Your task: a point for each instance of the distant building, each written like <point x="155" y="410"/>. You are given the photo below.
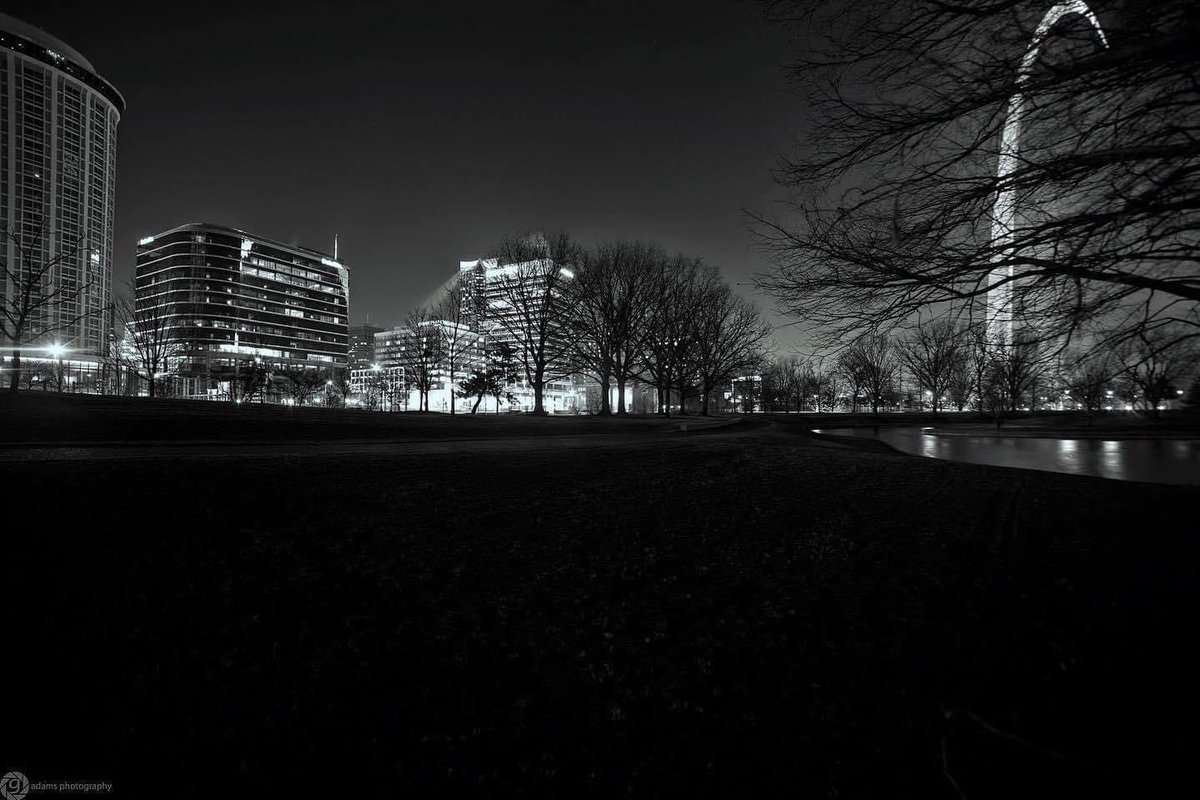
<point x="58" y="137"/>
<point x="362" y="346"/>
<point x="485" y="310"/>
<point x="234" y="297"/>
<point x="397" y="365"/>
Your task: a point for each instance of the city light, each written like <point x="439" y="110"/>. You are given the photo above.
<point x="56" y="350"/>
<point x="145" y="240"/>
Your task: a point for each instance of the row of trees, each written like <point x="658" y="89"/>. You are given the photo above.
<point x="956" y="366"/>
<point x="618" y="312"/>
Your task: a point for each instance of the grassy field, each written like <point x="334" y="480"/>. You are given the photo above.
<point x="746" y="611"/>
<point x="32" y="417"/>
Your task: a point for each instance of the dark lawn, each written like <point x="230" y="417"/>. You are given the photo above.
<point x="735" y="613"/>
<point x="29" y="417"/>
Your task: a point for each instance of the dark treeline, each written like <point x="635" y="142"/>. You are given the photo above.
<point x="940" y="365"/>
<point x="619" y="313"/>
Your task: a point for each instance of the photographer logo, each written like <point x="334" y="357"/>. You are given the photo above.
<point x="14" y="786"/>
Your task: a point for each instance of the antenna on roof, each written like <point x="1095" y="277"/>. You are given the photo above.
<point x="335" y="247"/>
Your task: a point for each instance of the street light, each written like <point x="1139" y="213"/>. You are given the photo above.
<point x="56" y="351"/>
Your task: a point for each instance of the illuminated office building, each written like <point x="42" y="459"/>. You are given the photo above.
<point x="487" y="311"/>
<point x="233" y="297"/>
<point x="58" y="137"/>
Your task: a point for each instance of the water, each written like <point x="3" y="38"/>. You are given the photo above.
<point x="1151" y="460"/>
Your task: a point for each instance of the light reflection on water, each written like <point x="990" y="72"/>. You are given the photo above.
<point x="1152" y="460"/>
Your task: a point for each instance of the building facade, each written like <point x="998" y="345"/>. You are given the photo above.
<point x="233" y="298"/>
<point x="439" y="356"/>
<point x="488" y="311"/>
<point x="58" y="138"/>
<point x="362" y="346"/>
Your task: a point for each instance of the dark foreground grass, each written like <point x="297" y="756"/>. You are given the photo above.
<point x="731" y="614"/>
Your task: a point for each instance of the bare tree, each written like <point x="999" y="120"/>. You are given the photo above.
<point x="244" y="380"/>
<point x="822" y="383"/>
<point x="1088" y="381"/>
<point x="148" y="349"/>
<point x="419" y="351"/>
<point x="340" y="388"/>
<point x="36" y="300"/>
<point x="730" y="338"/>
<point x="961" y="383"/>
<point x="301" y="383"/>
<point x="39" y="374"/>
<point x="931" y="352"/>
<point x="1192" y="399"/>
<point x="1017" y="368"/>
<point x="456" y="335"/>
<point x="994" y="398"/>
<point x="536" y="308"/>
<point x="779" y="375"/>
<point x="871" y="367"/>
<point x="1155" y="365"/>
<point x="376" y="384"/>
<point x="614" y="313"/>
<point x="679" y="290"/>
<point x="851" y="370"/>
<point x="1016" y="159"/>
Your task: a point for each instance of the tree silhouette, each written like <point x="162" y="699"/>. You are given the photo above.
<point x="966" y="148"/>
<point x="33" y="297"/>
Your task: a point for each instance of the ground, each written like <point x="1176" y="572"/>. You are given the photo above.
<point x="618" y="610"/>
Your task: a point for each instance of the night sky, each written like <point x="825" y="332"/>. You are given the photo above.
<point x="419" y="133"/>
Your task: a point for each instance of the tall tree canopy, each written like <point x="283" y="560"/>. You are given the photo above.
<point x="1042" y="151"/>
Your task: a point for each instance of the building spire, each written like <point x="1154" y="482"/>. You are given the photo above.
<point x="335" y="247"/>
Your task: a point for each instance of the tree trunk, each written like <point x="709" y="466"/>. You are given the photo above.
<point x="479" y="400"/>
<point x="539" y="387"/>
<point x="704" y="402"/>
<point x="15" y="381"/>
<point x="621" y="410"/>
<point x="682" y="400"/>
<point x="605" y="404"/>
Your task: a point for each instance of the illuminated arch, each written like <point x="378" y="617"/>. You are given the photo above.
<point x="999" y="298"/>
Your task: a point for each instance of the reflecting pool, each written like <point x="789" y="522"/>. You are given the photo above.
<point x="1152" y="460"/>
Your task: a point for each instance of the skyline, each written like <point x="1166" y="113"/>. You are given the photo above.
<point x="422" y="138"/>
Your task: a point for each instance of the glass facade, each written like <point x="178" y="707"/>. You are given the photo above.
<point x="231" y="296"/>
<point x="487" y="310"/>
<point x="58" y="135"/>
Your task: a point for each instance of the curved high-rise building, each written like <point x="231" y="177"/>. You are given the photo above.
<point x="224" y="297"/>
<point x="58" y="138"/>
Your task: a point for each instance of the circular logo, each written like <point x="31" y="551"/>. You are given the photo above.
<point x="14" y="786"/>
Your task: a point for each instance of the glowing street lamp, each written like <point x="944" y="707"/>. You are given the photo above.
<point x="56" y="352"/>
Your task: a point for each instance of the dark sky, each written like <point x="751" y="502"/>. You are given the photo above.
<point x="420" y="132"/>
